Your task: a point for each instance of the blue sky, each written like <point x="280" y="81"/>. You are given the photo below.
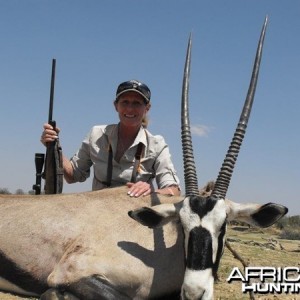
<point x="98" y="44"/>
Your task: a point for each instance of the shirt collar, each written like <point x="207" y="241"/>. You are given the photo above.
<point x="112" y="133"/>
<point x="141" y="137"/>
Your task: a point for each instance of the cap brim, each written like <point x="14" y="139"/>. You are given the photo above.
<point x="133" y="90"/>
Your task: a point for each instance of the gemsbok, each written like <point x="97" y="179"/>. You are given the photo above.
<point x="85" y="246"/>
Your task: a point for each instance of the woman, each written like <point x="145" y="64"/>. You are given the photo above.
<point x="124" y="153"/>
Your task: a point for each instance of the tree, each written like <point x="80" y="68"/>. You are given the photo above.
<point x="19" y="192"/>
<point x="4" y="191"/>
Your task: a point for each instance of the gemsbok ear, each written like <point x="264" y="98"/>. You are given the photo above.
<point x="255" y="214"/>
<point x="156" y="216"/>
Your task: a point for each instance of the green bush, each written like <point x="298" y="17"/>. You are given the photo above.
<point x="293" y="221"/>
<point x="290" y="234"/>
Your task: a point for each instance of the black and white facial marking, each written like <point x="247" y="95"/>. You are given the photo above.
<point x="204" y="223"/>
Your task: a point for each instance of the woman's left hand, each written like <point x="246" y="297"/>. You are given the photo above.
<point x="138" y="189"/>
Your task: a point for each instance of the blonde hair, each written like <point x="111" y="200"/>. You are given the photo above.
<point x="145" y="121"/>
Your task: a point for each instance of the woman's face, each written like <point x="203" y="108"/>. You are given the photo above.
<point x="131" y="108"/>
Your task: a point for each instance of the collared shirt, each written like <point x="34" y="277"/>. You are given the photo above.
<point x="94" y="151"/>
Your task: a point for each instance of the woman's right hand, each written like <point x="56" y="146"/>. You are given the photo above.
<point x="49" y="134"/>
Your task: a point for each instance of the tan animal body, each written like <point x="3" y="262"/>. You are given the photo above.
<point x="67" y="237"/>
<point x="57" y="240"/>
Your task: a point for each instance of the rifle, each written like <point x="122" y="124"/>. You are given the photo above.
<point x="53" y="171"/>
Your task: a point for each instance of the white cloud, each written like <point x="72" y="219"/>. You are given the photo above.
<point x="200" y="130"/>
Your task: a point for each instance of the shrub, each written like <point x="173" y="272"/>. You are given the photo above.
<point x="290" y="234"/>
<point x="293" y="221"/>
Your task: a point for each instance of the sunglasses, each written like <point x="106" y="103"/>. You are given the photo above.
<point x="135" y="85"/>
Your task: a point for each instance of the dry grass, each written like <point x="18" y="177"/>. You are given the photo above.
<point x="252" y="245"/>
<point x="256" y="254"/>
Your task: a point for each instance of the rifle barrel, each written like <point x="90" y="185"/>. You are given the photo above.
<point x="52" y="90"/>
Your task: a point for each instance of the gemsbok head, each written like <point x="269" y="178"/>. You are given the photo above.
<point x="204" y="218"/>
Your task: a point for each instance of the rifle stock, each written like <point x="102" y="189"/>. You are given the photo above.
<point x="53" y="171"/>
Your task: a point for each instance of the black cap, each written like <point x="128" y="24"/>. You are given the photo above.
<point x="134" y="86"/>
